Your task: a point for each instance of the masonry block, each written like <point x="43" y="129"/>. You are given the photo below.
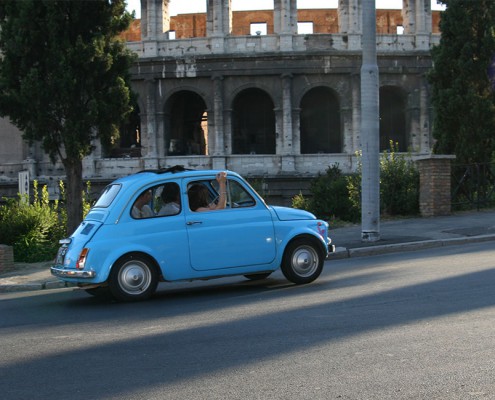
<point x="434" y="185"/>
<point x="6" y="258"/>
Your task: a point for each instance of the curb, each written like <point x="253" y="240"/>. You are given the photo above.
<point x="29" y="287"/>
<point x="342" y="252"/>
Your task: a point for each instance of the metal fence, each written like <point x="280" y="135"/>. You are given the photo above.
<point x="473" y="186"/>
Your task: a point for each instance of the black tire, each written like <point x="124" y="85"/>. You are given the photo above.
<point x="258" y="277"/>
<point x="133" y="278"/>
<point x="302" y="261"/>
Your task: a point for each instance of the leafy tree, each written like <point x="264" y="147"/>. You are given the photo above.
<point x="463" y="81"/>
<point x="64" y="79"/>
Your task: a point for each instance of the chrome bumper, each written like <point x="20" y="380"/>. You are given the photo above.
<point x="71" y="273"/>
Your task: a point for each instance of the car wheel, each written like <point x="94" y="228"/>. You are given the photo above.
<point x="133" y="278"/>
<point x="302" y="261"/>
<point x="258" y="277"/>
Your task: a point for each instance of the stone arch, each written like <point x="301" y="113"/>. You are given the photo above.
<point x="253" y="122"/>
<point x="320" y="125"/>
<point x="393" y="100"/>
<point x="186" y="124"/>
<point x="128" y="143"/>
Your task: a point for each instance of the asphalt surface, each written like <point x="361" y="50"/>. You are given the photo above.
<point x="396" y="235"/>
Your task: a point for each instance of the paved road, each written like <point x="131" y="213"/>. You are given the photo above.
<point x="417" y="325"/>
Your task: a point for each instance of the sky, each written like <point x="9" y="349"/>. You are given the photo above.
<point x="192" y="6"/>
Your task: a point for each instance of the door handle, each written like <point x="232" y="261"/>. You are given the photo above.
<point x="193" y="222"/>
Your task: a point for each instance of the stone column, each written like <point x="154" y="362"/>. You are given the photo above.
<point x="216" y="138"/>
<point x="353" y="143"/>
<point x="285" y="22"/>
<point x="416" y="15"/>
<point x="296" y="131"/>
<point x="149" y="126"/>
<point x="155" y="20"/>
<point x="350" y="22"/>
<point x="434" y="185"/>
<point x="227" y="129"/>
<point x="424" y="118"/>
<point x="218" y="23"/>
<point x="287" y="154"/>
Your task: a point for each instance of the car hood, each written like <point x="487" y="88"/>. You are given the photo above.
<point x="291" y="214"/>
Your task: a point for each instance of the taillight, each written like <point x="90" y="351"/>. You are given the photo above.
<point x="82" y="258"/>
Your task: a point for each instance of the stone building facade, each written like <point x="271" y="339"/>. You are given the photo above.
<point x="246" y="91"/>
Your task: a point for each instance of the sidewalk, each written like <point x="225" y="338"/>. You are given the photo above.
<point x="395" y="236"/>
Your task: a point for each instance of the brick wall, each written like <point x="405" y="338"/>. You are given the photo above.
<point x="6" y="258"/>
<point x="434" y="185"/>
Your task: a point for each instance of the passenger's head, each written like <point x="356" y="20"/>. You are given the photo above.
<point x="143" y="198"/>
<point x="170" y="192"/>
<point x="198" y="196"/>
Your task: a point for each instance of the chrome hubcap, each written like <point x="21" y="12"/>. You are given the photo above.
<point x="304" y="261"/>
<point x="134" y="277"/>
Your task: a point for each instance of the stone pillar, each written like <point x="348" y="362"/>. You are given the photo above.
<point x="355" y="140"/>
<point x="219" y="138"/>
<point x="227" y="129"/>
<point x="218" y="23"/>
<point x="287" y="139"/>
<point x="296" y="131"/>
<point x="285" y="22"/>
<point x="417" y="20"/>
<point x="350" y="22"/>
<point x="434" y="185"/>
<point x="288" y="162"/>
<point x="149" y="128"/>
<point x="6" y="258"/>
<point x="218" y="18"/>
<point x="155" y="18"/>
<point x="216" y="137"/>
<point x="424" y="119"/>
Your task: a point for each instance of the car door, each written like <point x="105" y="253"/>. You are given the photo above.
<point x="240" y="235"/>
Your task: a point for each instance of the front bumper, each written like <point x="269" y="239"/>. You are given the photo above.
<point x="71" y="273"/>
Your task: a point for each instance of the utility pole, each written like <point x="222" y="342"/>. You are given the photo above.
<point x="370" y="128"/>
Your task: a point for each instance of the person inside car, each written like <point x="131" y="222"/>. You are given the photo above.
<point x="198" y="195"/>
<point x="171" y="199"/>
<point x="141" y="208"/>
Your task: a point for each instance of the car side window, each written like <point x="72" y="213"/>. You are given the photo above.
<point x="237" y="195"/>
<point x="168" y="200"/>
<point x="158" y="201"/>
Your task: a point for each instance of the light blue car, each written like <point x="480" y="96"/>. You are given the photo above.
<point x="142" y="231"/>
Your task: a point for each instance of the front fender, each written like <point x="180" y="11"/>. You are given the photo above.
<point x="283" y="240"/>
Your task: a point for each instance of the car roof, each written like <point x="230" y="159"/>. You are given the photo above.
<point x="151" y="175"/>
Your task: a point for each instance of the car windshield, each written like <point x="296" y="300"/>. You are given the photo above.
<point x="107" y="196"/>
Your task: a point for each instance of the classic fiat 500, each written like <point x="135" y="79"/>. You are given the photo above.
<point x="142" y="231"/>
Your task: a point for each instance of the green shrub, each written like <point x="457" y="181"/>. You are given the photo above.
<point x="399" y="184"/>
<point x="32" y="229"/>
<point x="334" y="195"/>
<point x="329" y="197"/>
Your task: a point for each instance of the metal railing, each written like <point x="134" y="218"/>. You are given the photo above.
<point x="473" y="186"/>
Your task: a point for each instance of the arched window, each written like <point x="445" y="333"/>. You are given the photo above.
<point x="129" y="141"/>
<point x="186" y="125"/>
<point x="392" y="118"/>
<point x="320" y="122"/>
<point x="253" y="123"/>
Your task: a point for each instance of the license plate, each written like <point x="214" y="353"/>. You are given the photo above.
<point x="62" y="251"/>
